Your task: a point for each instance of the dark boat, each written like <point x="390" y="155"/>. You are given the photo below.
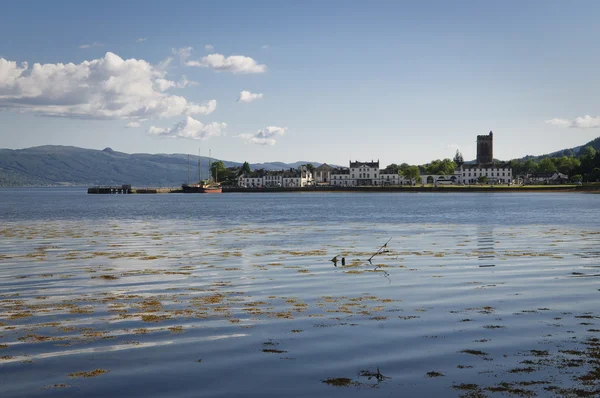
<point x="202" y="187"/>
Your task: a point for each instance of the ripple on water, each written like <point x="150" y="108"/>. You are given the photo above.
<point x="168" y="309"/>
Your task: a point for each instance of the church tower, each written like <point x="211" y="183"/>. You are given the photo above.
<point x="485" y="148"/>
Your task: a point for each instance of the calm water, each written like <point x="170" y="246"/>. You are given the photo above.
<point x="235" y="295"/>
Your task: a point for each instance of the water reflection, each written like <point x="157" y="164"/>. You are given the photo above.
<point x="486" y="251"/>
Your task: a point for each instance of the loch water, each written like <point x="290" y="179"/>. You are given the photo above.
<point x="189" y="295"/>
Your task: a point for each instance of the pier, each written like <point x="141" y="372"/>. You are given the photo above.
<point x="127" y="189"/>
<point x="123" y="189"/>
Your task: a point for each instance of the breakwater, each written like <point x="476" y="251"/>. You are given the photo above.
<point x="127" y="189"/>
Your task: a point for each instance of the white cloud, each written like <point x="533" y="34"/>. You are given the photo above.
<point x="163" y="84"/>
<point x="233" y="64"/>
<point x="183" y="53"/>
<point x="247" y="96"/>
<point x="105" y="88"/>
<point x="264" y="136"/>
<point x="141" y="39"/>
<point x="205" y="109"/>
<point x="164" y="64"/>
<point x="189" y="128"/>
<point x="209" y="47"/>
<point x="132" y="125"/>
<point x="94" y="44"/>
<point x="184" y="82"/>
<point x="265" y="47"/>
<point x="585" y="122"/>
<point x="559" y="122"/>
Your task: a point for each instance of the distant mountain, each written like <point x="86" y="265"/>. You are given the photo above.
<point x="53" y="165"/>
<point x="595" y="143"/>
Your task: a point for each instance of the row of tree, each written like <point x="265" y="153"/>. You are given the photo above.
<point x="585" y="166"/>
<point x="227" y="175"/>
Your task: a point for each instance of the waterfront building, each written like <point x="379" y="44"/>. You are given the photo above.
<point x="496" y="173"/>
<point x="485" y="166"/>
<point x="254" y="179"/>
<point x="391" y="176"/>
<point x="300" y="177"/>
<point x="341" y="177"/>
<point x="369" y="174"/>
<point x="364" y="173"/>
<point x="322" y="174"/>
<point x="546" y="178"/>
<point x="273" y="178"/>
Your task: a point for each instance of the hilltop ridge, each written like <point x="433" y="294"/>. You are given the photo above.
<point x="53" y="165"/>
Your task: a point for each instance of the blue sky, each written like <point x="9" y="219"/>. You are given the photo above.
<point x="389" y="80"/>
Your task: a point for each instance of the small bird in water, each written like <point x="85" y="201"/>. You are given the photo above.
<point x="334" y="261"/>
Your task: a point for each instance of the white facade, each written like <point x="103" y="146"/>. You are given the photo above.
<point x="341" y="177"/>
<point x="495" y="173"/>
<point x="364" y="173"/>
<point x="387" y="178"/>
<point x="273" y="179"/>
<point x="322" y="174"/>
<point x="293" y="178"/>
<point x="251" y="182"/>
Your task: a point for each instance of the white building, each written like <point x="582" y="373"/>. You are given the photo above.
<point x="300" y="177"/>
<point x="496" y="173"/>
<point x="322" y="174"/>
<point x="273" y="179"/>
<point x="391" y="177"/>
<point x="255" y="179"/>
<point x="364" y="173"/>
<point x="341" y="177"/>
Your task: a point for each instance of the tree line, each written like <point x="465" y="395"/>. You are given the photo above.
<point x="585" y="166"/>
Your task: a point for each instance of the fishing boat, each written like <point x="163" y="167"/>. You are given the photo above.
<point x="203" y="186"/>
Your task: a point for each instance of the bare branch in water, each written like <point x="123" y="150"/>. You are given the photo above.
<point x="380" y="249"/>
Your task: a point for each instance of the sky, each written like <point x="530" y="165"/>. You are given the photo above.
<point x="333" y="81"/>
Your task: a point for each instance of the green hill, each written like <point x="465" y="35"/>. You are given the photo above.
<point x="52" y="165"/>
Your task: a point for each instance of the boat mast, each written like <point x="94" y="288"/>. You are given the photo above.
<point x="188" y="169"/>
<point x="198" y="165"/>
<point x="210" y="165"/>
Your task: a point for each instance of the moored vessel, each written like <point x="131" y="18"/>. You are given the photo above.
<point x="203" y="186"/>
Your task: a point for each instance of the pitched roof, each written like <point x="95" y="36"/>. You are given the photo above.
<point x="368" y="164"/>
